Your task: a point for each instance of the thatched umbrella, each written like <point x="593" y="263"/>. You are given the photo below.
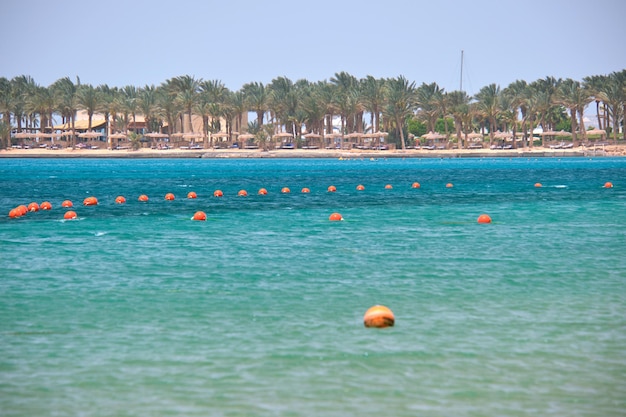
<point x="332" y="136"/>
<point x="282" y="135"/>
<point x="117" y="137"/>
<point x="433" y="136"/>
<point x="90" y="134"/>
<point x="600" y="132"/>
<point x="503" y="135"/>
<point x="309" y="136"/>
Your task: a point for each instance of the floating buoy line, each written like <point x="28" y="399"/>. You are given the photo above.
<point x="33" y="207"/>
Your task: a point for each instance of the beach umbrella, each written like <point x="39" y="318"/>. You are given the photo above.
<point x="246" y="136"/>
<point x="90" y="135"/>
<point x="221" y="135"/>
<point x="563" y="133"/>
<point x="312" y="136"/>
<point x="283" y="135"/>
<point x="192" y="135"/>
<point x="502" y="135"/>
<point x="24" y="135"/>
<point x="433" y="136"/>
<point x="474" y="136"/>
<point x="156" y="135"/>
<point x="596" y="132"/>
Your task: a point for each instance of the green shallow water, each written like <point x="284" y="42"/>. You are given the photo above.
<point x="136" y="310"/>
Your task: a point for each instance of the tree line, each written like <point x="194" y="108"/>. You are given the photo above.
<point x="394" y="105"/>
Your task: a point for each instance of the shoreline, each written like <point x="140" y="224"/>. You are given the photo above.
<point x="609" y="150"/>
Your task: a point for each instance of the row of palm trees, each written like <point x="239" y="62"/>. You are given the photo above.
<point x="284" y="105"/>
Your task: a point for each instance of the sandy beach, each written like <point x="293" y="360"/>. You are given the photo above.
<point x="607" y="150"/>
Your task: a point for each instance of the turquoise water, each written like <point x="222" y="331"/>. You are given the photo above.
<point x="135" y="310"/>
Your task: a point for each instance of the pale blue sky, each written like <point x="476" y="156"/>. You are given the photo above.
<point x="122" y="42"/>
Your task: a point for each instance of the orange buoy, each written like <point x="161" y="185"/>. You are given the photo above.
<point x="120" y="199"/>
<point x="360" y="187"/>
<point x="416" y="185"/>
<point x="45" y="206"/>
<point x="169" y="196"/>
<point x="378" y="316"/>
<point x="218" y="193"/>
<point x="14" y="213"/>
<point x="262" y="191"/>
<point x="70" y="215"/>
<point x="335" y="217"/>
<point x="90" y="201"/>
<point x="22" y="209"/>
<point x="305" y="190"/>
<point x="449" y="185"/>
<point x="33" y="207"/>
<point x="143" y="197"/>
<point x="484" y="218"/>
<point x="285" y="190"/>
<point x="388" y="187"/>
<point x="192" y="194"/>
<point x="608" y="185"/>
<point x="332" y="188"/>
<point x="242" y="193"/>
<point x="199" y="215"/>
<point x="538" y="185"/>
<point x="66" y="203"/>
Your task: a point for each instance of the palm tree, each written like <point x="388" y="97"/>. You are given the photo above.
<point x="187" y="89"/>
<point x="257" y="98"/>
<point x="21" y="87"/>
<point x="64" y="91"/>
<point x="596" y="84"/>
<point x="326" y="94"/>
<point x="5" y="132"/>
<point x="41" y="102"/>
<point x="129" y="105"/>
<point x="215" y="94"/>
<point x="488" y="98"/>
<point x="613" y="94"/>
<point x="401" y="100"/>
<point x="5" y="111"/>
<point x="282" y="103"/>
<point x="373" y="99"/>
<point x="240" y="108"/>
<point x="148" y="106"/>
<point x="88" y="99"/>
<point x="169" y="107"/>
<point x="314" y="109"/>
<point x="347" y="99"/>
<point x="574" y="97"/>
<point x="515" y="93"/>
<point x="109" y="107"/>
<point x="458" y="105"/>
<point x="428" y="100"/>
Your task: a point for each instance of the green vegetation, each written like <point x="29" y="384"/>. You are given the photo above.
<point x="368" y="105"/>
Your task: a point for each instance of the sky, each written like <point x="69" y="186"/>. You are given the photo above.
<point x="145" y="42"/>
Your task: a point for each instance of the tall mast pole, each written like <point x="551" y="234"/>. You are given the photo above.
<point x="461" y="70"/>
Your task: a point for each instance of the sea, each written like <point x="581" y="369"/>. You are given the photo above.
<point x="137" y="310"/>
